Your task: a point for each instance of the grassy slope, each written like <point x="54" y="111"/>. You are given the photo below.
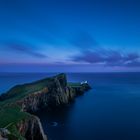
<point x="10" y="114"/>
<point x="9" y="117"/>
<point x="20" y="91"/>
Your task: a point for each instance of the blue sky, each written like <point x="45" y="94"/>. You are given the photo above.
<point x="69" y="35"/>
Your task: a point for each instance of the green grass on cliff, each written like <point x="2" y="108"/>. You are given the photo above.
<point x="74" y="84"/>
<point x="11" y="114"/>
<point x="9" y="117"/>
<point x="20" y="91"/>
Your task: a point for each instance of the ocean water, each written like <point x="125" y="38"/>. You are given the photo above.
<point x="109" y="111"/>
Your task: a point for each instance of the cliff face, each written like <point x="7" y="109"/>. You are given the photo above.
<point x="31" y="129"/>
<point x="55" y="92"/>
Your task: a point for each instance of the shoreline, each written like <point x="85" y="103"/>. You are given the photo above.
<point x="45" y="93"/>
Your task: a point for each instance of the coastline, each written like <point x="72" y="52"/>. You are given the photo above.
<point x="49" y="92"/>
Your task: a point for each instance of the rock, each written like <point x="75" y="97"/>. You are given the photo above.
<point x="31" y="129"/>
<point x="4" y="134"/>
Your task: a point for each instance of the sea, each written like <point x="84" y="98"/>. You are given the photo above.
<point x="109" y="111"/>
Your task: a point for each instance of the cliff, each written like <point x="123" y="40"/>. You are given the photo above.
<point x="31" y="129"/>
<point x="22" y="100"/>
<point x="56" y="92"/>
<point x="26" y="129"/>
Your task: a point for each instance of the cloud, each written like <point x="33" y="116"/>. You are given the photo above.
<point x="24" y="49"/>
<point x="108" y="58"/>
<point x="88" y="56"/>
<point x="133" y="64"/>
<point x="84" y="40"/>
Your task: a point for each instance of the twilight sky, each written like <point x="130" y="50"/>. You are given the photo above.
<point x="69" y="35"/>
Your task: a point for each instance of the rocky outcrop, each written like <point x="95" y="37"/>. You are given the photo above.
<point x="56" y="92"/>
<point x="31" y="129"/>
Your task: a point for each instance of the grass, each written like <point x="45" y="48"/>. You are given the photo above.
<point x="14" y="133"/>
<point x="74" y="84"/>
<point x="11" y="115"/>
<point x="20" y="91"/>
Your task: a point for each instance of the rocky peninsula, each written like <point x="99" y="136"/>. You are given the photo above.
<point x="17" y="106"/>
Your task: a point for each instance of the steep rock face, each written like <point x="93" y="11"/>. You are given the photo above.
<point x="55" y="92"/>
<point x="31" y="129"/>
